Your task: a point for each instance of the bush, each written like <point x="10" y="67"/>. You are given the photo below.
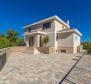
<point x="85" y="46"/>
<point x="4" y="42"/>
<point x="89" y="48"/>
<point x="20" y="42"/>
<point x="45" y="40"/>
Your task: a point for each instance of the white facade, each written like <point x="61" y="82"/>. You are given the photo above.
<point x="60" y="34"/>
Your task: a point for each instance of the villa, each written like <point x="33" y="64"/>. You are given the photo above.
<point x="62" y="38"/>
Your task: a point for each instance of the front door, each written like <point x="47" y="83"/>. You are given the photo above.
<point x="31" y="41"/>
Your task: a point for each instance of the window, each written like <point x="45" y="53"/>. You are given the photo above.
<point x="63" y="51"/>
<point x="29" y="29"/>
<point x="46" y="25"/>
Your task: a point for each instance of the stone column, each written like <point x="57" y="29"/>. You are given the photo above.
<point x="26" y="39"/>
<point x="36" y="41"/>
<point x="27" y="44"/>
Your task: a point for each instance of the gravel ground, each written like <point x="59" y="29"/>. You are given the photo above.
<point x="24" y="68"/>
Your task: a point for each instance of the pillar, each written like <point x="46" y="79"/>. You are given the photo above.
<point x="37" y="41"/>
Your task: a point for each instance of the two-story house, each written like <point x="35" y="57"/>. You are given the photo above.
<point x="62" y="37"/>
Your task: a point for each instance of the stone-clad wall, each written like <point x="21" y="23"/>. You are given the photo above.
<point x="46" y="50"/>
<point x="68" y="49"/>
<point x="43" y="50"/>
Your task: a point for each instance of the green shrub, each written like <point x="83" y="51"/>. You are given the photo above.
<point x="45" y="40"/>
<point x="4" y="42"/>
<point x="89" y="48"/>
<point x="85" y="46"/>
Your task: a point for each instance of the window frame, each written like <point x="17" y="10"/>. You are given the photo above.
<point x="46" y="25"/>
<point x="29" y="29"/>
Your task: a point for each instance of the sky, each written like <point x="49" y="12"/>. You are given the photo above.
<point x="16" y="14"/>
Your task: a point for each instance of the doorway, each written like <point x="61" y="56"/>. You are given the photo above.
<point x="31" y="41"/>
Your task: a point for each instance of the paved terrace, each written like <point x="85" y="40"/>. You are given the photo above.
<point x="24" y="68"/>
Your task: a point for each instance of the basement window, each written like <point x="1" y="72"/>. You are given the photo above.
<point x="63" y="51"/>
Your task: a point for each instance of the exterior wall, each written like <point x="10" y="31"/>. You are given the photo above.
<point x="59" y="26"/>
<point x="52" y="35"/>
<point x="70" y="43"/>
<point x="76" y="42"/>
<point x="67" y="42"/>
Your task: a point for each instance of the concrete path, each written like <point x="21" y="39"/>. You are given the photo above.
<point x="81" y="73"/>
<point x="24" y="68"/>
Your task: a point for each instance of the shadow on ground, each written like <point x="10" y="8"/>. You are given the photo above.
<point x="2" y="60"/>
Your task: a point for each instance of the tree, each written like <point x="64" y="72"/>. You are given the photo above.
<point x="4" y="42"/>
<point x="12" y="36"/>
<point x="45" y="40"/>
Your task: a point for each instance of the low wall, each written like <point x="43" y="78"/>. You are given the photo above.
<point x="45" y="50"/>
<point x="21" y="49"/>
<point x="3" y="57"/>
<point x="31" y="50"/>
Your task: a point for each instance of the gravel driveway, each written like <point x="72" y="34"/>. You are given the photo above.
<point x="24" y="68"/>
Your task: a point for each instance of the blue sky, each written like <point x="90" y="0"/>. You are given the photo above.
<point x="18" y="13"/>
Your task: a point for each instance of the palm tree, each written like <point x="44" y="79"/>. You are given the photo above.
<point x="12" y="36"/>
<point x="45" y="40"/>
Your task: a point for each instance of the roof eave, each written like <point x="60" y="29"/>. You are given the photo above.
<point x="78" y="32"/>
<point x="50" y="18"/>
<point x="72" y="30"/>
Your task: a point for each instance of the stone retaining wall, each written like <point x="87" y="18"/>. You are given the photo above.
<point x="20" y="49"/>
<point x="3" y="57"/>
<point x="32" y="50"/>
